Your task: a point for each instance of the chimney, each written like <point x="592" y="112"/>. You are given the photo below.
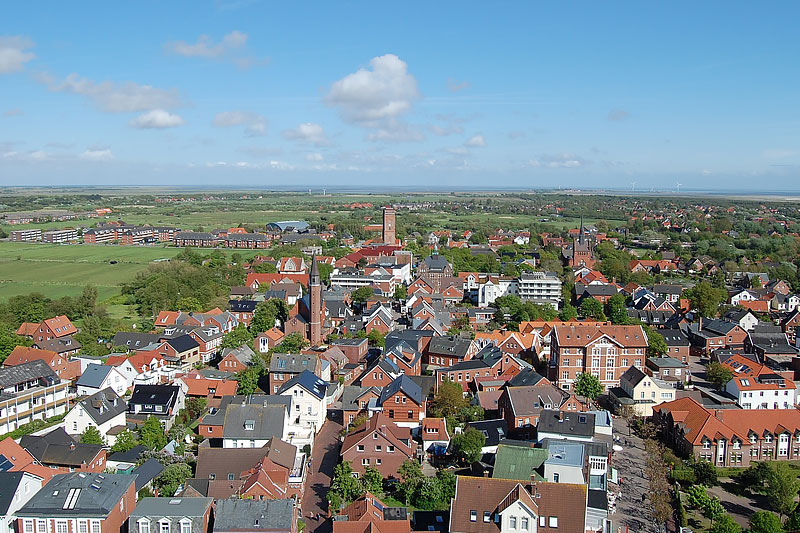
<point x="718" y="413"/>
<point x="71" y="445"/>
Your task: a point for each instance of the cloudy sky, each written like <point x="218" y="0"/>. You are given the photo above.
<point x="438" y="94"/>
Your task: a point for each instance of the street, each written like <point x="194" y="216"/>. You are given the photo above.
<point x="631" y="512"/>
<point x="325" y="456"/>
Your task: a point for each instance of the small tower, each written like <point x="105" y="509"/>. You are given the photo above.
<point x="389" y="233"/>
<point x="315" y="304"/>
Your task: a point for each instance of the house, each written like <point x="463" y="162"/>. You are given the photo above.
<point x="243" y="310"/>
<point x="135" y="341"/>
<point x="756" y="386"/>
<point x="379" y="443"/>
<point x="307" y="391"/>
<point x="490" y="362"/>
<point x="162" y="515"/>
<point x="181" y="352"/>
<point x="678" y="344"/>
<point x="486" y="505"/>
<point x="30" y="391"/>
<point x="209" y="339"/>
<point x="790" y="325"/>
<point x="251" y="516"/>
<point x="449" y="350"/>
<point x="237" y="359"/>
<point x="125" y="461"/>
<point x="58" y="363"/>
<point x="141" y="368"/>
<point x="769" y="342"/>
<point x="521" y="406"/>
<point x="745" y="318"/>
<point x="354" y="349"/>
<point x="555" y="424"/>
<point x="403" y="355"/>
<point x="291" y="265"/>
<point x="93" y="502"/>
<point x="51" y="328"/>
<point x="18" y="489"/>
<point x="266" y="340"/>
<point x="669" y="369"/>
<point x="212" y="390"/>
<point x="367" y="513"/>
<point x="435" y="437"/>
<point x="565" y="462"/>
<point x="98" y="377"/>
<point x="56" y="449"/>
<point x="710" y="335"/>
<point x="146" y="472"/>
<point x="283" y="367"/>
<point x="669" y="292"/>
<point x="162" y="401"/>
<point x="402" y="401"/>
<point x="250" y="422"/>
<point x="63" y="346"/>
<point x="494" y="430"/>
<point x="103" y="410"/>
<point x="641" y="391"/>
<point x="605" y="351"/>
<point x="729" y="437"/>
<point x="18" y="459"/>
<point x="355" y="399"/>
<point x="519" y="462"/>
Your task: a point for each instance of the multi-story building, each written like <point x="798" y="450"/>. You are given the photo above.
<point x="379" y="443"/>
<point x="162" y="515"/>
<point x="59" y="236"/>
<point x="605" y="351"/>
<point x="21" y="235"/>
<point x="30" y="391"/>
<point x="80" y="502"/>
<point x="540" y="287"/>
<point x="195" y="238"/>
<point x="20" y="487"/>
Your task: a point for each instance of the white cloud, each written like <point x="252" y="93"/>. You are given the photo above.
<point x="778" y="153"/>
<point x="454" y="85"/>
<point x="475" y="141"/>
<point x="375" y="98"/>
<point x="458" y="150"/>
<point x="314" y="157"/>
<point x="558" y="161"/>
<point x="157" y="119"/>
<point x="617" y="115"/>
<point x="256" y="124"/>
<point x="276" y="165"/>
<point x="13" y="55"/>
<point x="117" y="98"/>
<point x="308" y="132"/>
<point x="97" y="155"/>
<point x="205" y="47"/>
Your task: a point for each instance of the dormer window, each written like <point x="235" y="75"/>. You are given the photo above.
<point x="249" y="425"/>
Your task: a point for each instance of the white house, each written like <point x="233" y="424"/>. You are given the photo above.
<point x="642" y="392"/>
<point x="98" y="377"/>
<point x="141" y="368"/>
<point x="767" y="391"/>
<point x="19" y="488"/>
<point x="104" y="410"/>
<point x="307" y="391"/>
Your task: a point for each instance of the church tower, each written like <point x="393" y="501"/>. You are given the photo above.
<point x="389" y="233"/>
<point x="315" y="304"/>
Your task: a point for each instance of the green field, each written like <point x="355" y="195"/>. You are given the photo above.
<point x="63" y="270"/>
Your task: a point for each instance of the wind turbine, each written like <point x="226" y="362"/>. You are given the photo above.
<point x="633" y="185"/>
<point x="678" y="186"/>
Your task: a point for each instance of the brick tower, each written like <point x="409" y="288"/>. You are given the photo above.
<point x="389" y="215"/>
<point x="315" y="304"/>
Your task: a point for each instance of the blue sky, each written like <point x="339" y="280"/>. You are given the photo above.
<point x="439" y="94"/>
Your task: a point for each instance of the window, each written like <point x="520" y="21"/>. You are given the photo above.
<point x="542" y="521"/>
<point x="565" y="374"/>
<point x="144" y="526"/>
<point x="95" y="526"/>
<point x="487" y="516"/>
<point x="378" y="448"/>
<point x="230" y="476"/>
<point x="523" y="525"/>
<point x="83" y="527"/>
<point x="41" y="526"/>
<point x="27" y="526"/>
<point x="410" y="415"/>
<point x="365" y="461"/>
<point x="473" y="516"/>
<point x="390" y="449"/>
<point x="164" y="526"/>
<point x="553" y="522"/>
<point x="512" y="522"/>
<point x="186" y="526"/>
<point x="360" y="448"/>
<point x="555" y="477"/>
<point x="706" y="445"/>
<point x="378" y="461"/>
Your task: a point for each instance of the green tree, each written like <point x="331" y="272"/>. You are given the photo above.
<point x="713" y="509"/>
<point x="718" y="374"/>
<point x="126" y="440"/>
<point x="237" y="336"/>
<point x="467" y="445"/>
<point x="10" y="340"/>
<point x="765" y="522"/>
<point x="171" y="478"/>
<point x="706" y="298"/>
<point x="362" y="294"/>
<point x="265" y="268"/>
<point x="87" y="301"/>
<point x="568" y="313"/>
<point x="152" y="435"/>
<point x="449" y="400"/>
<point x="704" y="473"/>
<point x="782" y="488"/>
<point x="725" y="524"/>
<point x="291" y="343"/>
<point x="411" y="477"/>
<point x="617" y="310"/>
<point x="325" y="271"/>
<point x="264" y="316"/>
<point x="792" y="521"/>
<point x="247" y="380"/>
<point x="189" y="303"/>
<point x="91" y="435"/>
<point x="372" y="480"/>
<point x="656" y="345"/>
<point x="343" y="484"/>
<point x="588" y="385"/>
<point x="591" y="308"/>
<point x="376" y="338"/>
<point x="400" y="292"/>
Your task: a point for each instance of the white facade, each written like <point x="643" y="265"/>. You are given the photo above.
<point x="77" y="420"/>
<point x="750" y="394"/>
<point x="488" y="292"/>
<point x="514" y="518"/>
<point x="542" y="287"/>
<point x="35" y="403"/>
<point x="308" y="411"/>
<point x="28" y="486"/>
<point x="114" y="379"/>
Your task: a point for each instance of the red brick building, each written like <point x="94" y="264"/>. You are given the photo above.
<point x="379" y="443"/>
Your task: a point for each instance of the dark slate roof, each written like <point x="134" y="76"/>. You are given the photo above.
<point x="147" y="472"/>
<point x="130" y="456"/>
<point x="154" y="394"/>
<point x="58" y="448"/>
<point x="30" y="371"/>
<point x="451" y="346"/>
<point x="292" y="363"/>
<point x="242" y="306"/>
<point x="737" y="314"/>
<point x="402" y="383"/>
<point x="494" y="430"/>
<point x="134" y="341"/>
<point x="267" y="421"/>
<point x="674" y="337"/>
<point x="426" y="384"/>
<point x="526" y="378"/>
<point x="103" y="405"/>
<point x="351" y="394"/>
<point x="350" y="342"/>
<point x="94" y="375"/>
<point x="436" y="263"/>
<point x="309" y="381"/>
<point x="576" y="424"/>
<point x="252" y="515"/>
<point x="600" y="290"/>
<point x="95" y="495"/>
<point x="183" y="343"/>
<point x="173" y="507"/>
<point x="665" y="288"/>
<point x="665" y="362"/>
<point x="720" y="327"/>
<point x="9" y="481"/>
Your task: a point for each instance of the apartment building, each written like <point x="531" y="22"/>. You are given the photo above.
<point x="540" y="287"/>
<point x="23" y="235"/>
<point x="30" y="391"/>
<point x="60" y="236"/>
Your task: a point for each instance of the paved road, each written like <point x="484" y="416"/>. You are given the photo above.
<point x="631" y="511"/>
<point x="325" y="456"/>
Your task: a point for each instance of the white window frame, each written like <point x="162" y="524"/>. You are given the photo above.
<point x="144" y="525"/>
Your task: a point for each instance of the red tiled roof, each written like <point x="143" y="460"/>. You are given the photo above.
<point x="23" y="354"/>
<point x="61" y="326"/>
<point x="27" y="329"/>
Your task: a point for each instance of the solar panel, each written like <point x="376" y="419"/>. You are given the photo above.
<point x="5" y="464"/>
